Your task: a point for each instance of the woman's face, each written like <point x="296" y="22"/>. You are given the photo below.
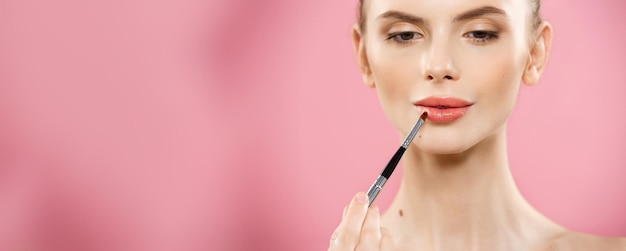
<point x="460" y="60"/>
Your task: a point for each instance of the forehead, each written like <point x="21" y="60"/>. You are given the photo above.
<point x="445" y="10"/>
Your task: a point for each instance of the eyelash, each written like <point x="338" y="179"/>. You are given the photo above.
<point x="488" y="36"/>
<point x="397" y="37"/>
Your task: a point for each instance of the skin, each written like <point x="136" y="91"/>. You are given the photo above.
<point x="457" y="192"/>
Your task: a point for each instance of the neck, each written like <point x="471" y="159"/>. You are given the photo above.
<point x="465" y="201"/>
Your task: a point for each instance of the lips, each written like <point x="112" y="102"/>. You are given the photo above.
<point x="444" y="109"/>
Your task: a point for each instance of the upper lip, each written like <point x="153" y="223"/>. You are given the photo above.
<point x="442" y="102"/>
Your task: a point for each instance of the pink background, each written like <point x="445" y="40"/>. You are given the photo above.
<point x="244" y="125"/>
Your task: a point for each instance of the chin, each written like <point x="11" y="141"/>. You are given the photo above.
<point x="450" y="142"/>
<point x="439" y="146"/>
<point x="443" y="150"/>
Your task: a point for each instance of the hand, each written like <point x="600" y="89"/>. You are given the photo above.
<point x="360" y="228"/>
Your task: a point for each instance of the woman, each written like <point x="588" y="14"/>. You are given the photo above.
<point x="462" y="62"/>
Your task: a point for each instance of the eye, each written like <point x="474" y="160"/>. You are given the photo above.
<point x="404" y="37"/>
<point x="481" y="36"/>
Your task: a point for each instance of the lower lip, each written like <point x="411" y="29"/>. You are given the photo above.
<point x="439" y="115"/>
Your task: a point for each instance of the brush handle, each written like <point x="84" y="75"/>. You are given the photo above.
<point x="375" y="188"/>
<point x="382" y="178"/>
<point x="393" y="162"/>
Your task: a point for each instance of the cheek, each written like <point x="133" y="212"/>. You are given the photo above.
<point x="498" y="79"/>
<point x="392" y="68"/>
<point x="395" y="73"/>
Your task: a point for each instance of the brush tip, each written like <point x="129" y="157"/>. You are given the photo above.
<point x="424" y="115"/>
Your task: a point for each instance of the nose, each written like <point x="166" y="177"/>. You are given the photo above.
<point x="439" y="62"/>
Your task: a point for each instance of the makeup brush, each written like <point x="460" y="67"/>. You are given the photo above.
<point x="384" y="176"/>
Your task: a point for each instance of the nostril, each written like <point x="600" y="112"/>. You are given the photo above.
<point x="432" y="77"/>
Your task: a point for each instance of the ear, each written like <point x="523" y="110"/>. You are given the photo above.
<point x="361" y="56"/>
<point x="539" y="51"/>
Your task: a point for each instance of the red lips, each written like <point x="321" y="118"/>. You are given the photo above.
<point x="444" y="109"/>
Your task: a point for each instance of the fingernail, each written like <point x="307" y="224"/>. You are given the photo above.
<point x="361" y="198"/>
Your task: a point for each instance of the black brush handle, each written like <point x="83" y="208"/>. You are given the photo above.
<point x="393" y="163"/>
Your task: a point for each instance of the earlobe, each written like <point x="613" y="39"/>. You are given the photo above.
<point x="361" y="56"/>
<point x="538" y="57"/>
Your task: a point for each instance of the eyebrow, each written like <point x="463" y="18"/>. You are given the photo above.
<point x="478" y="12"/>
<point x="394" y="14"/>
<point x="474" y="13"/>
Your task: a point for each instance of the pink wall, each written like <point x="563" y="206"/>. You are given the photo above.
<point x="224" y="124"/>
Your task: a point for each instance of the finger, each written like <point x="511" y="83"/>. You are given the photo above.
<point x="355" y="216"/>
<point x="347" y="235"/>
<point x="333" y="239"/>
<point x="370" y="232"/>
<point x="387" y="242"/>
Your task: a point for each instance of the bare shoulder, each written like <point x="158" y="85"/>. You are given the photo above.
<point x="572" y="241"/>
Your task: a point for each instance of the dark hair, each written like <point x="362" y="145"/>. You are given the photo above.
<point x="535" y="5"/>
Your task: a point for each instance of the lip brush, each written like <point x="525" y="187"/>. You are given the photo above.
<point x="384" y="176"/>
